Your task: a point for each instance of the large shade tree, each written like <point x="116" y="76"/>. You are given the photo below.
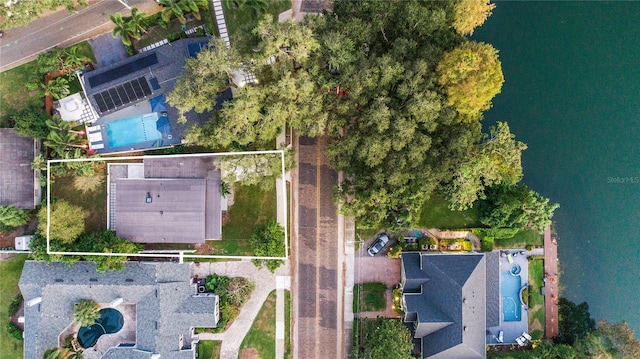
<point x="67" y="221"/>
<point x="383" y="338"/>
<point x="469" y="14"/>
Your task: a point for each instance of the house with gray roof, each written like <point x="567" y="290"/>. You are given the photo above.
<point x="166" y="199"/>
<point x="127" y="99"/>
<point x="160" y="304"/>
<point x="449" y="301"/>
<point x="19" y="184"/>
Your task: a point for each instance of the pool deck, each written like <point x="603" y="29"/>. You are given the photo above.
<point x="551" y="294"/>
<point x="125" y="335"/>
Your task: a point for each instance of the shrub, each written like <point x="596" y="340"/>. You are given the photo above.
<point x="86" y="312"/>
<point x="14" y="305"/>
<point x="394" y="252"/>
<point x="14" y="331"/>
<point x="239" y="290"/>
<point x="487" y="244"/>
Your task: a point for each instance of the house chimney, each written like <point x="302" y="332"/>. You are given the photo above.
<point x="34" y="301"/>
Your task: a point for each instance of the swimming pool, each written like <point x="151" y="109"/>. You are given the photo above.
<point x="133" y="130"/>
<point x="110" y="321"/>
<point x="510" y="290"/>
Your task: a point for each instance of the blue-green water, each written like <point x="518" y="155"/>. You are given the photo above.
<point x="572" y="93"/>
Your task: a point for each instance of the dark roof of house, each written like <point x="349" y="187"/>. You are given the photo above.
<point x="446" y="301"/>
<point x="142" y="77"/>
<point x="316" y="6"/>
<point x="19" y="186"/>
<point x="160" y="210"/>
<point x="166" y="304"/>
<point x="493" y="288"/>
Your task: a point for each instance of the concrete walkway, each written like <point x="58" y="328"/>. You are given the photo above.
<point x="551" y="293"/>
<point x="265" y="283"/>
<point x="222" y="24"/>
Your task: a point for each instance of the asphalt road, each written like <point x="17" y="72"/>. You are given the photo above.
<point x="317" y="323"/>
<point x="62" y="29"/>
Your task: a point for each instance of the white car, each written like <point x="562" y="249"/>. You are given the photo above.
<point x="378" y="244"/>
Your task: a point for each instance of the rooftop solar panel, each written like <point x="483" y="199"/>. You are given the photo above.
<point x="123" y="94"/>
<point x="123" y="70"/>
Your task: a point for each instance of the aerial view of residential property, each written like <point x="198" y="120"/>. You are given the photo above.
<point x="326" y="179"/>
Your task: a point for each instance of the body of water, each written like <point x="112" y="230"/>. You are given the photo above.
<point x="572" y="94"/>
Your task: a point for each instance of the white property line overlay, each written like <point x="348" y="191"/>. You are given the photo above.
<point x="177" y="253"/>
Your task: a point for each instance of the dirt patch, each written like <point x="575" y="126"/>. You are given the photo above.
<point x="8" y="238"/>
<point x="225" y="217"/>
<point x="204" y="248"/>
<point x="249" y="353"/>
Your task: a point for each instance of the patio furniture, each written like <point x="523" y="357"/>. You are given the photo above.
<point x="95" y="137"/>
<point x="500" y="337"/>
<point x="526" y="336"/>
<point x="91" y="129"/>
<point x="97" y="146"/>
<point x="520" y="341"/>
<point x="510" y="258"/>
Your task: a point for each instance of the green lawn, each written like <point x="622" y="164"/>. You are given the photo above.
<point x="369" y="297"/>
<point x="209" y="349"/>
<point x="240" y="22"/>
<point x="521" y="239"/>
<point x="230" y="247"/>
<point x="11" y="270"/>
<point x="536" y="299"/>
<point x="252" y="206"/>
<point x="287" y="324"/>
<point x="435" y="213"/>
<point x="13" y="93"/>
<point x="94" y="202"/>
<point x="262" y="335"/>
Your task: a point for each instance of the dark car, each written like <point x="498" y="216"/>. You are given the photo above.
<point x="378" y="244"/>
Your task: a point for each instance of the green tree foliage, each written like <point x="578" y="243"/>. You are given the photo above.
<point x="67" y="221"/>
<point x="19" y="13"/>
<point x="58" y="88"/>
<point x="62" y="138"/>
<point x="126" y="29"/>
<point x="383" y="338"/>
<point x="30" y="121"/>
<point x="618" y="339"/>
<point x="254" y="169"/>
<point x="14" y="331"/>
<point x="204" y="78"/>
<point x="12" y="217"/>
<point x="497" y="159"/>
<point x="57" y="353"/>
<point x="574" y="322"/>
<point x="469" y="14"/>
<point x="105" y="242"/>
<point x="471" y="74"/>
<point x="86" y="312"/>
<point x="268" y="241"/>
<point x="515" y="206"/>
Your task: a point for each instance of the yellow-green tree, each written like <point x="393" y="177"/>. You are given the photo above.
<point x="469" y="14"/>
<point x="471" y="75"/>
<point x="67" y="221"/>
<point x="86" y="312"/>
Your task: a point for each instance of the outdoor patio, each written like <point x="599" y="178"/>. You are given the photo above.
<point x="126" y="335"/>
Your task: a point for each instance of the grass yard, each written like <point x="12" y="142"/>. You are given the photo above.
<point x="11" y="269"/>
<point x="13" y="93"/>
<point x="94" y="202"/>
<point x="369" y="297"/>
<point x="536" y="299"/>
<point x="435" y="213"/>
<point x="262" y="335"/>
<point x="521" y="239"/>
<point x="252" y="206"/>
<point x="287" y="324"/>
<point x="209" y="349"/>
<point x="240" y="22"/>
<point x="239" y="247"/>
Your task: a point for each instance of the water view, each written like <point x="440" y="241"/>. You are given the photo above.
<point x="572" y="93"/>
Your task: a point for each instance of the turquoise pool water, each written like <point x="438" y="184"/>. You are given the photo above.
<point x="510" y="290"/>
<point x="110" y="321"/>
<point x="133" y="130"/>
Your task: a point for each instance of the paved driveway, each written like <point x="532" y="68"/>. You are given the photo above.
<point x="107" y="49"/>
<point x="377" y="269"/>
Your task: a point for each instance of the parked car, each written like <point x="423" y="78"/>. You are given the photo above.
<point x="378" y="244"/>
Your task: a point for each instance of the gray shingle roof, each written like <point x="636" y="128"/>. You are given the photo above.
<point x="18" y="184"/>
<point x="449" y="306"/>
<point x="493" y="288"/>
<point x="166" y="304"/>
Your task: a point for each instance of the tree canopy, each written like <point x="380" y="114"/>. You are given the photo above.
<point x="268" y="241"/>
<point x="19" y="13"/>
<point x="515" y="206"/>
<point x="574" y="322"/>
<point x="67" y="221"/>
<point x="471" y="75"/>
<point x="382" y="338"/>
<point x="11" y="217"/>
<point x="469" y="14"/>
<point x="86" y="312"/>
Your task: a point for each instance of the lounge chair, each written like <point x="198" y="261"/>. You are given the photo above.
<point x="97" y="146"/>
<point x="526" y="336"/>
<point x="95" y="137"/>
<point x="500" y="337"/>
<point x="95" y="128"/>
<point x="520" y="341"/>
<point x="510" y="258"/>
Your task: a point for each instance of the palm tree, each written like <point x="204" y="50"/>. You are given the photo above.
<point x="12" y="217"/>
<point x="136" y="22"/>
<point x="61" y="138"/>
<point x="73" y="58"/>
<point x="123" y="28"/>
<point x="194" y="6"/>
<point x="58" y="88"/>
<point x="57" y="353"/>
<point x="173" y="8"/>
<point x="86" y="312"/>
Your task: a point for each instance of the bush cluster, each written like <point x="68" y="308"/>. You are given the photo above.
<point x="14" y="331"/>
<point x="14" y="305"/>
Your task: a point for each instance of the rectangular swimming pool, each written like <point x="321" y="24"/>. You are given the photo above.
<point x="133" y="130"/>
<point x="510" y="286"/>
